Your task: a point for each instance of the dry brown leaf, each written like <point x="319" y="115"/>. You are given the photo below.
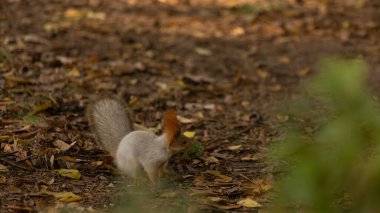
<point x="234" y="147"/>
<point x="185" y="120"/>
<point x="3" y="168"/>
<point x="203" y="51"/>
<point x="303" y="72"/>
<point x="284" y="60"/>
<point x="282" y="118"/>
<point x="63" y="196"/>
<point x="61" y="145"/>
<point x="262" y="73"/>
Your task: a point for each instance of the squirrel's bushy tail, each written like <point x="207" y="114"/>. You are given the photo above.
<point x="111" y="121"/>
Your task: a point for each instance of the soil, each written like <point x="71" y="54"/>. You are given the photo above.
<point x="223" y="65"/>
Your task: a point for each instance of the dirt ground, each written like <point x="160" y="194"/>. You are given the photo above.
<point x="223" y="65"/>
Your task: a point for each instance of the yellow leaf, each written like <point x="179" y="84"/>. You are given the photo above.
<point x="42" y="107"/>
<point x="237" y="31"/>
<point x="189" y="134"/>
<point x="215" y="199"/>
<point x="218" y="174"/>
<point x="282" y="118"/>
<point x="74" y="72"/>
<point x="71" y="173"/>
<point x="249" y="203"/>
<point x="96" y="15"/>
<point x="2" y="179"/>
<point x="73" y="13"/>
<point x="26" y="127"/>
<point x="63" y="196"/>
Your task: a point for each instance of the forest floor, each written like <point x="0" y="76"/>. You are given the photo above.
<point x="223" y="65"/>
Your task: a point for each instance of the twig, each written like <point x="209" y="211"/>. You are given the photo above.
<point x="15" y="164"/>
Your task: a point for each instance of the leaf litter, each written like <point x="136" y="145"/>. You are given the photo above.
<point x="217" y="65"/>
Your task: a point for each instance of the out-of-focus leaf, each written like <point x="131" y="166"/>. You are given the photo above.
<point x="71" y="173"/>
<point x="3" y="168"/>
<point x="2" y="179"/>
<point x="63" y="196"/>
<point x="189" y="134"/>
<point x="218" y="174"/>
<point x="234" y="147"/>
<point x="203" y="51"/>
<point x="62" y="145"/>
<point x="249" y="203"/>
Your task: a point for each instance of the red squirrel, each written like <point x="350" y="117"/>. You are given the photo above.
<point x="135" y="150"/>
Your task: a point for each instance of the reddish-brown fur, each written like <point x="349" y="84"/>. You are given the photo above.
<point x="171" y="124"/>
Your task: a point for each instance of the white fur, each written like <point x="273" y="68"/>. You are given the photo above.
<point x="142" y="150"/>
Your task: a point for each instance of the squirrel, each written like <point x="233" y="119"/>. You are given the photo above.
<point x="134" y="150"/>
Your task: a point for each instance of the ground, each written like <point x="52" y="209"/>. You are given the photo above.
<point x="225" y="66"/>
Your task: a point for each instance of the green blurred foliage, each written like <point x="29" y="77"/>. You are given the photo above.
<point x="166" y="196"/>
<point x="196" y="150"/>
<point x="331" y="146"/>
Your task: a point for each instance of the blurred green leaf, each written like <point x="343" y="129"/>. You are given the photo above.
<point x="340" y="159"/>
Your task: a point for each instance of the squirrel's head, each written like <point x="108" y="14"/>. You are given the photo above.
<point x="177" y="142"/>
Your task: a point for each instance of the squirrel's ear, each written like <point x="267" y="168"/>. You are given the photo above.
<point x="170" y="124"/>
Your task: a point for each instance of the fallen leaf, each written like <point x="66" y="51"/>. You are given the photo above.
<point x="215" y="199"/>
<point x="42" y="107"/>
<point x="303" y="72"/>
<point x="274" y="87"/>
<point x="218" y="174"/>
<point x="74" y="72"/>
<point x="189" y="134"/>
<point x="284" y="60"/>
<point x="3" y="168"/>
<point x="71" y="173"/>
<point x="61" y="145"/>
<point x="2" y="179"/>
<point x="262" y="73"/>
<point x="63" y="196"/>
<point x="96" y="15"/>
<point x="73" y="13"/>
<point x="282" y="118"/>
<point x="235" y="147"/>
<point x="249" y="203"/>
<point x="185" y="120"/>
<point x="212" y="159"/>
<point x="237" y="31"/>
<point x="14" y="190"/>
<point x="203" y="51"/>
<point x="162" y="86"/>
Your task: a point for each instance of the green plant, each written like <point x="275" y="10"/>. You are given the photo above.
<point x="335" y="166"/>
